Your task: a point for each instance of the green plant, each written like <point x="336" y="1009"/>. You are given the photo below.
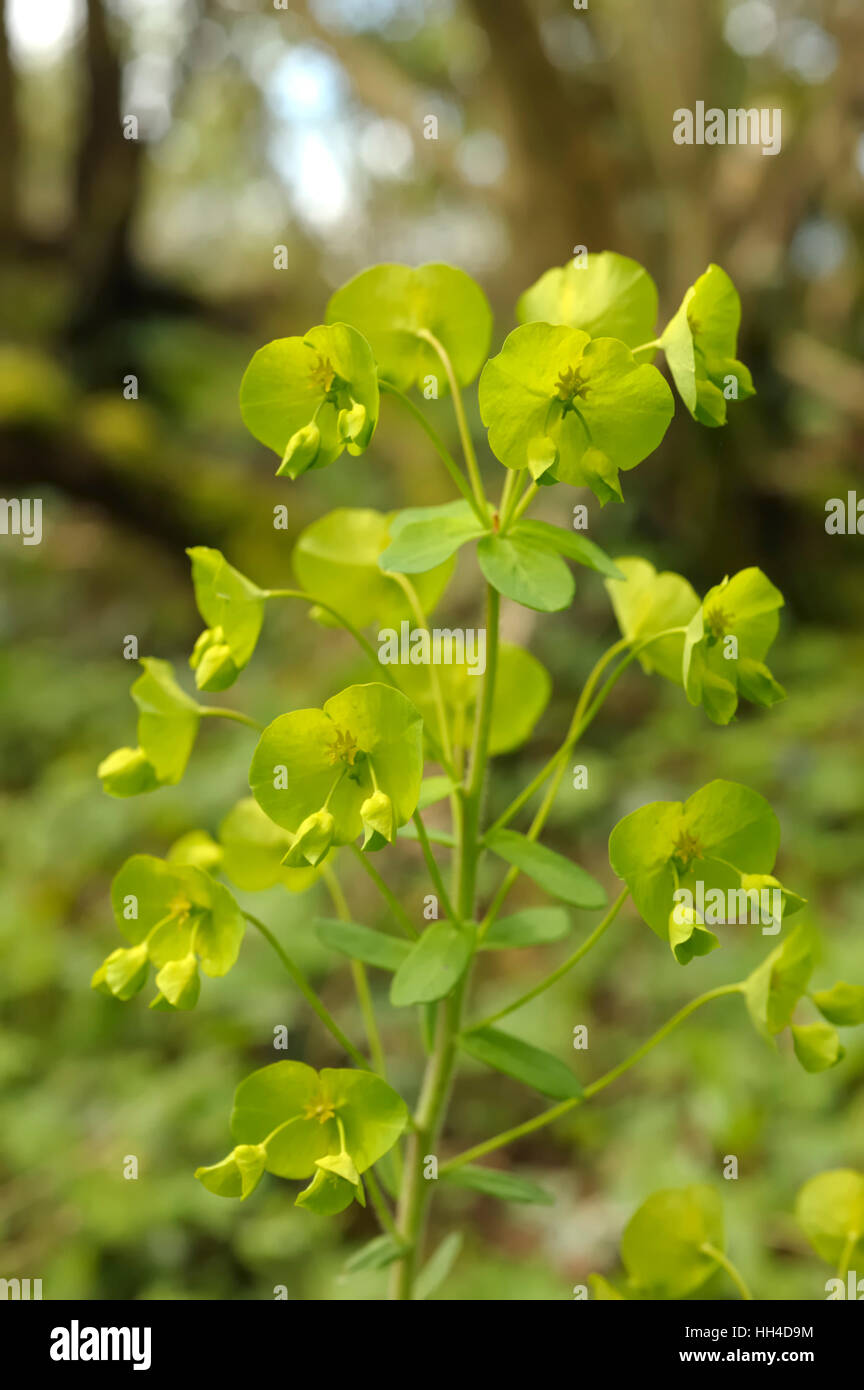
<point x="674" y="1243"/>
<point x="572" y="397"/>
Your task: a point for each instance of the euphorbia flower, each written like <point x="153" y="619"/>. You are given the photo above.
<point x="726" y="642"/>
<point x="310" y="398"/>
<point x="700" y="343"/>
<point x="327" y="774"/>
<point x="572" y="409"/>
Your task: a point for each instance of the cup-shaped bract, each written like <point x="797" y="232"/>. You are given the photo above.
<point x="168" y="721"/>
<point x="704" y="846"/>
<point x="572" y="408"/>
<point x="726" y="642"/>
<point x="311" y="398"/>
<point x="604" y="294"/>
<point x="663" y="1245"/>
<point x="830" y="1211"/>
<point x="396" y="306"/>
<point x="173" y="915"/>
<point x="700" y="343"/>
<point x="647" y="603"/>
<point x="233" y="608"/>
<point x="365" y="739"/>
<point x="336" y="560"/>
<point x="331" y="1126"/>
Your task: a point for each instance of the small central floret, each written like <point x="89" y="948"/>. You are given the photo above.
<point x="321" y="1110"/>
<point x="717" y="620"/>
<point x="344" y="748"/>
<point x="687" y="848"/>
<point x="570" y="384"/>
<point x="323" y="374"/>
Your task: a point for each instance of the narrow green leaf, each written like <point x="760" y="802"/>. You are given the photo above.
<point x="438" y="1266"/>
<point x="550" y="871"/>
<point x="433" y="790"/>
<point x="362" y="943"/>
<point x="524" y="1062"/>
<point x="842" y="1004"/>
<point x="375" y="1254"/>
<point x="535" y="926"/>
<point x="433" y="966"/>
<point x="495" y="1182"/>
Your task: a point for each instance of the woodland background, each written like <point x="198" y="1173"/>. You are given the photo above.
<point x="154" y="257"/>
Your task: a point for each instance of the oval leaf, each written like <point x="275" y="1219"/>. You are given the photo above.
<point x="550" y="871"/>
<point x="435" y="964"/>
<point x="524" y="1062"/>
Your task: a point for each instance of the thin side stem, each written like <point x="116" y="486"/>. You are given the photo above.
<point x="524" y="502"/>
<point x="438" y="445"/>
<point x="562" y="969"/>
<point x="309" y="994"/>
<point x="358" y="972"/>
<point x="461" y="423"/>
<point x="725" y="1263"/>
<point x="215" y="713"/>
<point x="387" y="894"/>
<point x="432" y="866"/>
<point x="565" y="1106"/>
<point x="434" y="681"/>
<point x="380" y="1206"/>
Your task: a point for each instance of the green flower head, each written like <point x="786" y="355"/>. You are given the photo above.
<point x="717" y="847"/>
<point x="572" y="409"/>
<point x="726" y="643"/>
<point x="233" y="608"/>
<point x="175" y="917"/>
<point x="311" y="398"/>
<point x="294" y="1122"/>
<point x="700" y="343"/>
<point x="317" y="772"/>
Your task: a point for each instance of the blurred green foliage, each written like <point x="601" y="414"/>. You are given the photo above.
<point x="127" y="484"/>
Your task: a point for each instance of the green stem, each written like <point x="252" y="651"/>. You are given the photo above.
<point x="309" y="994"/>
<point x="429" y="1117"/>
<point x="725" y="1263"/>
<point x="445" y="456"/>
<point x="643" y="347"/>
<point x="434" y="680"/>
<point x="432" y="866"/>
<point x="389" y="897"/>
<point x="358" y="972"/>
<point x="215" y="713"/>
<point x="562" y="970"/>
<point x="462" y="424"/>
<point x="565" y="1106"/>
<point x="524" y="502"/>
<point x="846" y="1257"/>
<point x="379" y="1203"/>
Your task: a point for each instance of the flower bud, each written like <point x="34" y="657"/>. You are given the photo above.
<point x="123" y="973"/>
<point x="354" y="427"/>
<point x="127" y="772"/>
<point x="300" y="452"/>
<point x="312" y="841"/>
<point x="688" y="936"/>
<point x="542" y="455"/>
<point x="237" y="1175"/>
<point x="179" y="982"/>
<point x="378" y="817"/>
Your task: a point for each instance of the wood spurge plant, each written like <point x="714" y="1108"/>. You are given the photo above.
<point x="573" y="396"/>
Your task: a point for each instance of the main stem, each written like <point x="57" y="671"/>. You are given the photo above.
<point x="435" y="1090"/>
